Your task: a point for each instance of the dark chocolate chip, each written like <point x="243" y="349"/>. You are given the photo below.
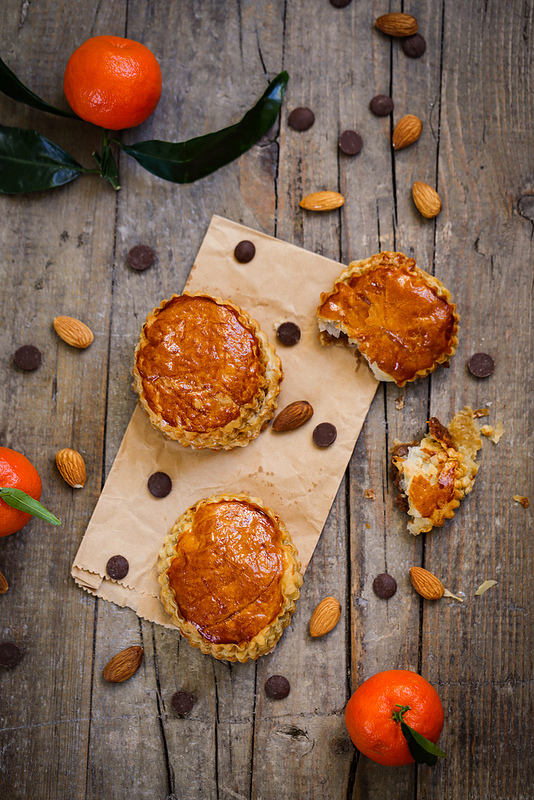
<point x="481" y="365"/>
<point x="27" y="357"/>
<point x="10" y="654"/>
<point x="182" y="703"/>
<point x="141" y="257"/>
<point x="384" y="585"/>
<point x="288" y="333"/>
<point x="117" y="567"/>
<point x="340" y="3"/>
<point x="301" y="119"/>
<point x="324" y="434"/>
<point x="159" y="484"/>
<point x="414" y="46"/>
<point x="350" y="143"/>
<point x="244" y="252"/>
<point x="277" y="687"/>
<point x="381" y="105"/>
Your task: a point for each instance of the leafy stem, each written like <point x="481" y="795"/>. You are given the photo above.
<point x="422" y="750"/>
<point x="107" y="168"/>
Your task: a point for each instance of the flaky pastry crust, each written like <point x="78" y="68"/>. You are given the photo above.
<point x="249" y="416"/>
<point x="400" y="318"/>
<point x="435" y="474"/>
<point x="183" y="539"/>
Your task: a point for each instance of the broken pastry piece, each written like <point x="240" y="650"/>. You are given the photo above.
<point x="435" y="474"/>
<point x="398" y="316"/>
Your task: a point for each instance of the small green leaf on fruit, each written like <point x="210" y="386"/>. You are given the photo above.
<point x="18" y="499"/>
<point x="423" y="751"/>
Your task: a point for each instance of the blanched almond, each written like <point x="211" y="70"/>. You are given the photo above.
<point x="74" y="332"/>
<point x="71" y="467"/>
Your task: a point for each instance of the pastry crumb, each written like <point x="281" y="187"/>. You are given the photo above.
<point x="483" y="588"/>
<point x="481" y="412"/>
<point x="493" y="433"/>
<point x="399" y="403"/>
<point x="524" y="501"/>
<point x="369" y="494"/>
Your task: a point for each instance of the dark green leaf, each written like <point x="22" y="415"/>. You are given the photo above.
<point x="30" y="162"/>
<point x="14" y="88"/>
<point x="423" y="750"/>
<point x="18" y="499"/>
<point x="106" y="163"/>
<point x="185" y="162"/>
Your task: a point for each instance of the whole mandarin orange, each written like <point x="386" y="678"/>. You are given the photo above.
<point x="16" y="472"/>
<point x="112" y="82"/>
<point x="370" y="720"/>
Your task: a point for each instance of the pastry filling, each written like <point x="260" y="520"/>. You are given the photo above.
<point x="399" y="323"/>
<point x="226" y="576"/>
<point x="200" y="365"/>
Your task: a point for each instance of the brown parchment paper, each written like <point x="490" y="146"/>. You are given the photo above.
<point x="293" y="476"/>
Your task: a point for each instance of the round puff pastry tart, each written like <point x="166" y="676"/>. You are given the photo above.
<point x="205" y="373"/>
<point x="399" y="317"/>
<point x="230" y="576"/>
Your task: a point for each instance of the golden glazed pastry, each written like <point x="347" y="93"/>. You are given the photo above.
<point x="205" y="373"/>
<point x="435" y="474"/>
<point x="399" y="317"/>
<point x="229" y="576"/>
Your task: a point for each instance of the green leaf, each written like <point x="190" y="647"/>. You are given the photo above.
<point x="30" y="162"/>
<point x="18" y="499"/>
<point x="423" y="750"/>
<point x="14" y="88"/>
<point x="185" y="162"/>
<point x="106" y="163"/>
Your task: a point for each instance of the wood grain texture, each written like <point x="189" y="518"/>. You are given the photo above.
<point x="65" y="732"/>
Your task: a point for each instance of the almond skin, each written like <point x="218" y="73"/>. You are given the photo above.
<point x="71" y="467"/>
<point x="322" y="201"/>
<point x="397" y="24"/>
<point x="293" y="416"/>
<point x="74" y="332"/>
<point x="4" y="585"/>
<point x="426" y="199"/>
<point x="426" y="584"/>
<point x="325" y="617"/>
<point x="124" y="665"/>
<point x="407" y="131"/>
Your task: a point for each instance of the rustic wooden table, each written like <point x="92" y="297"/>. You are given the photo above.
<point x="64" y="732"/>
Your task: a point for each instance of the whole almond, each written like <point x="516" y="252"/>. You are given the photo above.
<point x="123" y="665"/>
<point x="407" y="131"/>
<point x="426" y="199"/>
<point x="4" y="585"/>
<point x="72" y="467"/>
<point x="426" y="584"/>
<point x="293" y="416"/>
<point x="397" y="24"/>
<point x="74" y="332"/>
<point x="325" y="617"/>
<point x="322" y="201"/>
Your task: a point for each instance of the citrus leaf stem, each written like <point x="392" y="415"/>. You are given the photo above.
<point x="422" y="750"/>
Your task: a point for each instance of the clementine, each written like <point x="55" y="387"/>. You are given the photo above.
<point x="374" y="712"/>
<point x="16" y="472"/>
<point x="112" y="82"/>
